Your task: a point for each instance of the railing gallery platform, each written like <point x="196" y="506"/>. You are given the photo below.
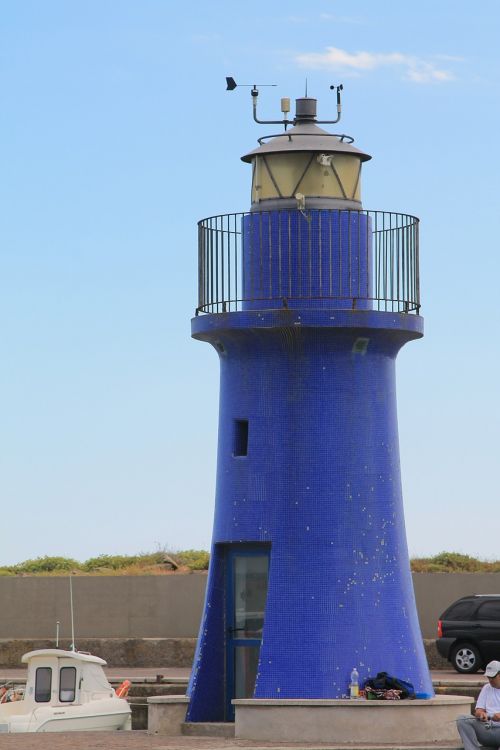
<point x="315" y="258"/>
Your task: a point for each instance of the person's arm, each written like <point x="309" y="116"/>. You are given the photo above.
<point x="480" y="712"/>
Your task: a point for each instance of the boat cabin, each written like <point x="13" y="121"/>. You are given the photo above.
<point x="65" y="691"/>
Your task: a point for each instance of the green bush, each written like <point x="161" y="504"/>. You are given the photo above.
<point x="194" y="559"/>
<point x="153" y="562"/>
<point x="453" y="562"/>
<point x="47" y="565"/>
<point x="113" y="562"/>
<point x="121" y="562"/>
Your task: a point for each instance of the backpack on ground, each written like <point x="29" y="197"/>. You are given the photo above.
<point x="384" y="682"/>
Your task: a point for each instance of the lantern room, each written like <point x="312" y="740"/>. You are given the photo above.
<point x="306" y="167"/>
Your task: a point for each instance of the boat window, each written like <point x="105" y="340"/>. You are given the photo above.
<point x="67" y="684"/>
<point x="43" y="684"/>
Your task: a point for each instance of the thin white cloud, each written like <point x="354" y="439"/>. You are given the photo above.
<point x="415" y="69"/>
<point x="449" y="58"/>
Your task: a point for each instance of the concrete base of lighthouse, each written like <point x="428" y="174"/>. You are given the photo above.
<point x="408" y="722"/>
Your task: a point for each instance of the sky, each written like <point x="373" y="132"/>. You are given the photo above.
<point x="116" y="136"/>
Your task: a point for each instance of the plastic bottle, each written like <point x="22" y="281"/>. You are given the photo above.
<point x="354" y="685"/>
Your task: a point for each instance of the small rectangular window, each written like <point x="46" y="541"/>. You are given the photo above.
<point x="43" y="684"/>
<point x="67" y="684"/>
<point x="240" y="437"/>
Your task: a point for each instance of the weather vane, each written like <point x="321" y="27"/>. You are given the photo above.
<point x="285" y="102"/>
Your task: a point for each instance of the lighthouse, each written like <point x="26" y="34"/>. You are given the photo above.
<point x="307" y="298"/>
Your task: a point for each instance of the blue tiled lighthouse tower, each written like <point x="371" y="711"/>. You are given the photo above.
<point x="307" y="299"/>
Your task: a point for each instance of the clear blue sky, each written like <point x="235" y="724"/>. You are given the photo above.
<point x="117" y="135"/>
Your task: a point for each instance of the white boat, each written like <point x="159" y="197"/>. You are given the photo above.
<point x="66" y="691"/>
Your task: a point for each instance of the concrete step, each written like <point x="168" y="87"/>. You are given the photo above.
<point x="207" y="729"/>
<point x="457" y="689"/>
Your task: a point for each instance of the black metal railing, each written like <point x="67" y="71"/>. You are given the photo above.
<point x="340" y="259"/>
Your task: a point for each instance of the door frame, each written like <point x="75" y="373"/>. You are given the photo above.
<point x="255" y="549"/>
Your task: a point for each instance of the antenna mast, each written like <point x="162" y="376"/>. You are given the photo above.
<point x="72" y="647"/>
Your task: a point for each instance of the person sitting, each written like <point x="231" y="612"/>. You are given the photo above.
<point x="483" y="728"/>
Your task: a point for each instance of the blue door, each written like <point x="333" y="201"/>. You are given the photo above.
<point x="246" y="592"/>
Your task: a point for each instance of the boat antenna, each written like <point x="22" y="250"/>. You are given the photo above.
<point x="57" y="633"/>
<point x="72" y="647"/>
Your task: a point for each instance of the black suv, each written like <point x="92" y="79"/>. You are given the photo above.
<point x="469" y="632"/>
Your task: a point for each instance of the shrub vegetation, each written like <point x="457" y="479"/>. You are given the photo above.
<point x="149" y="563"/>
<point x="157" y="563"/>
<point x="453" y="562"/>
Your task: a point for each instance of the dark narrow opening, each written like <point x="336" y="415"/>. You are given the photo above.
<point x="240" y="437"/>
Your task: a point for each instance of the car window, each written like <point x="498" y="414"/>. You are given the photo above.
<point x="461" y="611"/>
<point x="489" y="611"/>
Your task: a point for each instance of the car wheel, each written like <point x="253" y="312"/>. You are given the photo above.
<point x="465" y="658"/>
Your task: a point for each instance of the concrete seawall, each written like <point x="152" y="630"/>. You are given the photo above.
<point x="161" y="606"/>
<point x="142" y="652"/>
<point x="167" y="606"/>
<point x="118" y="652"/>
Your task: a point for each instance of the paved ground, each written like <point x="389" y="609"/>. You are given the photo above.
<point x="116" y="673"/>
<point x="148" y="674"/>
<point x="139" y="740"/>
<point x="143" y="741"/>
<point x="449" y="676"/>
<point x="182" y="673"/>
